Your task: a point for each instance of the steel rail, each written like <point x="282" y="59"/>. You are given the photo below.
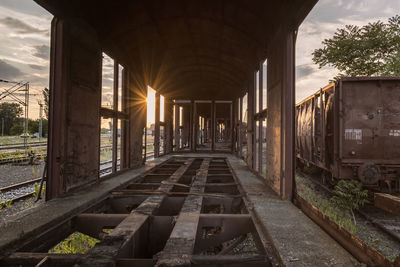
<point x="16" y="186"/>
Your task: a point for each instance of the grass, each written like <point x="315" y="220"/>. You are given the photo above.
<point x="5" y="204"/>
<point x="343" y="218"/>
<point x="328" y="208"/>
<point x="22" y="153"/>
<point x="8" y="140"/>
<point x="37" y="188"/>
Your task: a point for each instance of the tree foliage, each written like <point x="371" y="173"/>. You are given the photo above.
<point x="10" y="112"/>
<point x="371" y="50"/>
<point x="350" y="196"/>
<point x="17" y="129"/>
<point x="33" y="126"/>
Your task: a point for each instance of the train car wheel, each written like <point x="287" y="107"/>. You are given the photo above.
<point x="369" y="173"/>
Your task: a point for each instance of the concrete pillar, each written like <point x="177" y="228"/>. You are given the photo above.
<point x="251" y="123"/>
<point x="288" y="153"/>
<point x="115" y="121"/>
<point x="231" y="123"/>
<point x="260" y="103"/>
<point x="186" y="126"/>
<point x="74" y="112"/>
<point x="168" y="128"/>
<point x="157" y="127"/>
<point x="194" y="126"/>
<point x="280" y="120"/>
<point x="235" y="127"/>
<point x="239" y="141"/>
<point x="137" y="118"/>
<point x="176" y="131"/>
<point x="126" y="141"/>
<point x="213" y="125"/>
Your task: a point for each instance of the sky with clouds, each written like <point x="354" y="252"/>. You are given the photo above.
<point x="25" y="47"/>
<point x="321" y="23"/>
<point x="25" y="41"/>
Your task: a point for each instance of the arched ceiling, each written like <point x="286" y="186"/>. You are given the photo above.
<point x="187" y="49"/>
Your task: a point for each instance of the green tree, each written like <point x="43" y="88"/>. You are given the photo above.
<point x="45" y="127"/>
<point x="17" y="129"/>
<point x="350" y="196"/>
<point x="33" y="126"/>
<point x="371" y="50"/>
<point x="10" y="112"/>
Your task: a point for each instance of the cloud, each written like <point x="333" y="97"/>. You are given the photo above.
<point x="42" y="51"/>
<point x="304" y="70"/>
<point x="9" y="72"/>
<point x="20" y="26"/>
<point x="26" y="7"/>
<point x="37" y="67"/>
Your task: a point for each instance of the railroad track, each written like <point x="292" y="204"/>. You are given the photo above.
<point x="19" y="159"/>
<point x="22" y="146"/>
<point x="107" y="170"/>
<point x="18" y="191"/>
<point x="385" y="221"/>
<point x="24" y="158"/>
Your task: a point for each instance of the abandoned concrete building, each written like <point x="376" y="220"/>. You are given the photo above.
<point x="222" y="175"/>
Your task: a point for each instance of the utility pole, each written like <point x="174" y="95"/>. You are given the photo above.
<point x="26" y="113"/>
<point x="13" y="93"/>
<point x="2" y="126"/>
<point x="40" y="119"/>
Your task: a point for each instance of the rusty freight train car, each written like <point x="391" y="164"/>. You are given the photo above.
<point x="351" y="130"/>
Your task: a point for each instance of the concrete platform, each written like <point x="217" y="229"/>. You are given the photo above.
<point x="296" y="238"/>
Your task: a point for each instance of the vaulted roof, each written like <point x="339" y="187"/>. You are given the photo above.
<point x="189" y="49"/>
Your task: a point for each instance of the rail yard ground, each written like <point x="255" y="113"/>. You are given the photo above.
<point x="9" y="140"/>
<point x="18" y="173"/>
<point x="11" y="174"/>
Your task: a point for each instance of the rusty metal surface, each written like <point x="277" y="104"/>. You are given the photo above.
<point x="352" y="128"/>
